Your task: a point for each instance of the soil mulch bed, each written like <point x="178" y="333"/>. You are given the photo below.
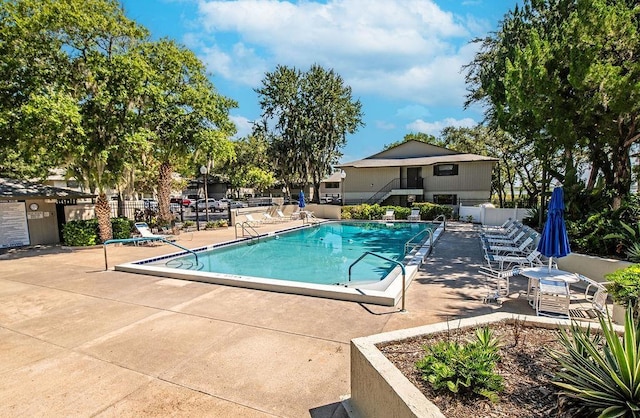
<point x="525" y="366"/>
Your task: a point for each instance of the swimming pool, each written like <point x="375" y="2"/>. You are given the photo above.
<point x="313" y="260"/>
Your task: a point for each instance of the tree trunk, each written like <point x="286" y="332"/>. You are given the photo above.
<point x="103" y="213"/>
<point x="164" y="192"/>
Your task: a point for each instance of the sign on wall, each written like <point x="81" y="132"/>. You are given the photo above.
<point x="14" y="231"/>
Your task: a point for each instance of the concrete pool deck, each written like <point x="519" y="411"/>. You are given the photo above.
<point x="76" y="340"/>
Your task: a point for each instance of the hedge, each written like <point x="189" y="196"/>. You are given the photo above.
<point x="428" y="211"/>
<point x="82" y="233"/>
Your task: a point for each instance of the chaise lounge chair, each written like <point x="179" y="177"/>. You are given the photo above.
<point x="281" y="217"/>
<point x="269" y="219"/>
<point x="251" y="220"/>
<point x="389" y="215"/>
<point x="145" y="232"/>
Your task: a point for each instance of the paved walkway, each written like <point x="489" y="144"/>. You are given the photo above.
<point x="76" y="340"/>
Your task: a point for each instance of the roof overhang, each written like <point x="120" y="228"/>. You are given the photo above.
<point x="20" y="189"/>
<point x="417" y="161"/>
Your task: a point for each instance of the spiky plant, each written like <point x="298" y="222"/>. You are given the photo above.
<point x="600" y="374"/>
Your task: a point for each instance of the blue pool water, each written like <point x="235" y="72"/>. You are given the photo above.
<point x="320" y="254"/>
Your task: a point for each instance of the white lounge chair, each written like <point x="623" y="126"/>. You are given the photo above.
<point x="519" y="250"/>
<point x="251" y="220"/>
<point x="534" y="258"/>
<point x="507" y="241"/>
<point x="145" y="232"/>
<point x="499" y="228"/>
<point x="281" y="216"/>
<point x="415" y="215"/>
<point x="269" y="219"/>
<point x="389" y="215"/>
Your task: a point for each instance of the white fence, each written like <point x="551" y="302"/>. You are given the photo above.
<point x="491" y="216"/>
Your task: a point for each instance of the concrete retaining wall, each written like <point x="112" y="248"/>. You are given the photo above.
<point x="380" y="390"/>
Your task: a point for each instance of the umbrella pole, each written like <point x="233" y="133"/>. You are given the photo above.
<point x="550" y="261"/>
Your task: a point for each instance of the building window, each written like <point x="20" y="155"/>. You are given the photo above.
<point x="445" y="199"/>
<point x="445" y="170"/>
<point x="332" y="185"/>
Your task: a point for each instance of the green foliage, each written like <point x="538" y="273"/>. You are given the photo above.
<point x="600" y="374"/>
<point x="430" y="211"/>
<point x="551" y="60"/>
<point x="85" y="232"/>
<point x="589" y="231"/>
<point x="624" y="286"/>
<point x="464" y="368"/>
<point x="363" y="211"/>
<point x="80" y="233"/>
<point x="629" y="239"/>
<point x="306" y="117"/>
<point x="121" y="228"/>
<point x="188" y="224"/>
<point x="373" y="212"/>
<point x="216" y="224"/>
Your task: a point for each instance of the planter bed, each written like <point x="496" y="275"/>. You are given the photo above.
<point x="380" y="389"/>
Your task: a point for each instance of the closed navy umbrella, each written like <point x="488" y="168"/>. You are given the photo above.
<point x="301" y="203"/>
<point x="554" y="241"/>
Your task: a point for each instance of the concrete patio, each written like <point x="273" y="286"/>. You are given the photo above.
<point x="76" y="340"/>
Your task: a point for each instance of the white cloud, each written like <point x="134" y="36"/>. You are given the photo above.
<point x="435" y="128"/>
<point x="244" y="125"/>
<point x="407" y="49"/>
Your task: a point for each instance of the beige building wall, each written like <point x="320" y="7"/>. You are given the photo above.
<point x="473" y="176"/>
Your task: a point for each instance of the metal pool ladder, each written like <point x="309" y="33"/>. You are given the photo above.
<point x="404" y="273"/>
<point x="246" y="227"/>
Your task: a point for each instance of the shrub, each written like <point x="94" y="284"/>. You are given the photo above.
<point x="464" y="368"/>
<point x="430" y="211"/>
<point x="121" y="228"/>
<point x="600" y="374"/>
<point x="188" y="224"/>
<point x="427" y="211"/>
<point x="628" y="241"/>
<point x="624" y="286"/>
<point x="80" y="233"/>
<point x="210" y="225"/>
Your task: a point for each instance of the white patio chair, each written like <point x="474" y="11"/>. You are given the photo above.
<point x="415" y="215"/>
<point x="389" y="215"/>
<point x="497" y="281"/>
<point x="552" y="298"/>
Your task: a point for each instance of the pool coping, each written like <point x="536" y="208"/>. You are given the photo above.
<point x="387" y="292"/>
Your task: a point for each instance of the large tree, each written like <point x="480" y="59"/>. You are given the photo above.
<point x="563" y="73"/>
<point x="76" y="106"/>
<point x="306" y="118"/>
<point x="183" y="115"/>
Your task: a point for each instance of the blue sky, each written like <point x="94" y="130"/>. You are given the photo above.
<point x="402" y="58"/>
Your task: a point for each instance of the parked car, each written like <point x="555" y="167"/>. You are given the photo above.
<point x="212" y="204"/>
<point x="235" y="204"/>
<point x="180" y="201"/>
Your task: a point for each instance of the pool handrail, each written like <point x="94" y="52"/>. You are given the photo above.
<point x="429" y="231"/>
<point x="444" y="221"/>
<point x="244" y="225"/>
<point x="404" y="273"/>
<point x="157" y="238"/>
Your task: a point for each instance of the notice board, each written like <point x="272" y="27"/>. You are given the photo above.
<point x="14" y="231"/>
